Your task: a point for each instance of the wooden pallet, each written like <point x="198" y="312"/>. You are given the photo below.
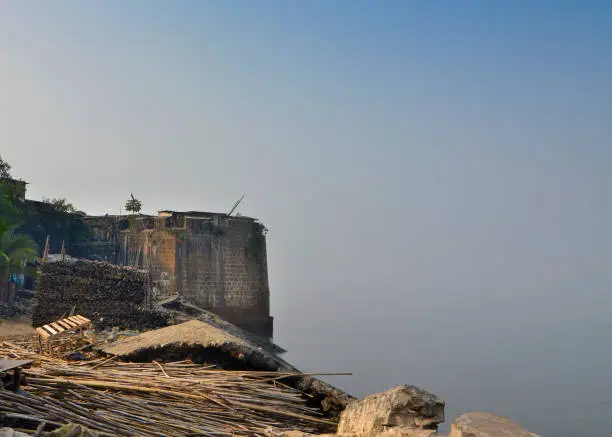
<point x="70" y="325"/>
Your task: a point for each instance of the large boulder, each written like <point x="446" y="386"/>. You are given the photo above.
<point x="487" y="425"/>
<point x="403" y="411"/>
<point x="395" y="432"/>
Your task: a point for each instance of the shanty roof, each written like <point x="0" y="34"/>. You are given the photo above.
<point x="193" y="332"/>
<point x="177" y="303"/>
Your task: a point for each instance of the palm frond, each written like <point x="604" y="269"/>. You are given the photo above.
<point x="20" y="242"/>
<point x="5" y="261"/>
<point x="15" y="249"/>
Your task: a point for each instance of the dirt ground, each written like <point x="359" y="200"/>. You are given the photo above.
<point x="12" y="328"/>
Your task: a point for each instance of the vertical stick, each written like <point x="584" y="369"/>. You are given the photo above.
<point x="46" y="252"/>
<point x="16" y="378"/>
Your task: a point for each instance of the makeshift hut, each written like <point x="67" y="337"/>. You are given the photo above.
<point x="204" y="343"/>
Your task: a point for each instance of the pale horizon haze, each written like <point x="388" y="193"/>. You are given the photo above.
<point x="435" y="176"/>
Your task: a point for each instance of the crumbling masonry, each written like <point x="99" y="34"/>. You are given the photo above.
<point x="215" y="261"/>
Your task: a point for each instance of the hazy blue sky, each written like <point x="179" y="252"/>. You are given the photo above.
<point x="428" y="169"/>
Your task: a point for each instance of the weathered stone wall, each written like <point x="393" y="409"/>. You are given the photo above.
<point x="221" y="266"/>
<point x="155" y="251"/>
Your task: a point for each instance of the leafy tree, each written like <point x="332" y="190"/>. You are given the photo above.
<point x="133" y="205"/>
<point x="12" y="247"/>
<point x="60" y="204"/>
<point x="14" y="189"/>
<point x="5" y="169"/>
<point x="15" y="249"/>
<point x="9" y="215"/>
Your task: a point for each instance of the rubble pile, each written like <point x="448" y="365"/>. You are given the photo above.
<point x="108" y="294"/>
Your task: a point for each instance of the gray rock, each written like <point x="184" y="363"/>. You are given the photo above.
<point x="393" y="432"/>
<point x="10" y="432"/>
<point x="399" y="411"/>
<point x="408" y="432"/>
<point x="487" y="425"/>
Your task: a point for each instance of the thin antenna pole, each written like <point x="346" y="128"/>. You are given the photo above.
<point x="235" y="205"/>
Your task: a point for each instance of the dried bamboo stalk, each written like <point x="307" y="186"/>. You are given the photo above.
<point x="143" y="399"/>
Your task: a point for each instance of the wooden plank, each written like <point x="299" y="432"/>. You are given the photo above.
<point x="69" y="323"/>
<point x="64" y="324"/>
<point x="50" y="329"/>
<point x="57" y="327"/>
<point x="74" y="320"/>
<point x="44" y="334"/>
<point x="83" y="319"/>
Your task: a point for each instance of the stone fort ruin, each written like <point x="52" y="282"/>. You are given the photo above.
<point x="212" y="260"/>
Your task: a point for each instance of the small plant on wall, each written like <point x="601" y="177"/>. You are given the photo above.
<point x="133" y="205"/>
<point x="5" y="169"/>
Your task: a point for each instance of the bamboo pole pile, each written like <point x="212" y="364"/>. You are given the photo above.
<point x="155" y="399"/>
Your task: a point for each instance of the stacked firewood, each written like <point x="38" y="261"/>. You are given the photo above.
<point x="108" y="294"/>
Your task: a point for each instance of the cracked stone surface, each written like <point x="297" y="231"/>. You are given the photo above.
<point x="400" y="409"/>
<point x="480" y="424"/>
